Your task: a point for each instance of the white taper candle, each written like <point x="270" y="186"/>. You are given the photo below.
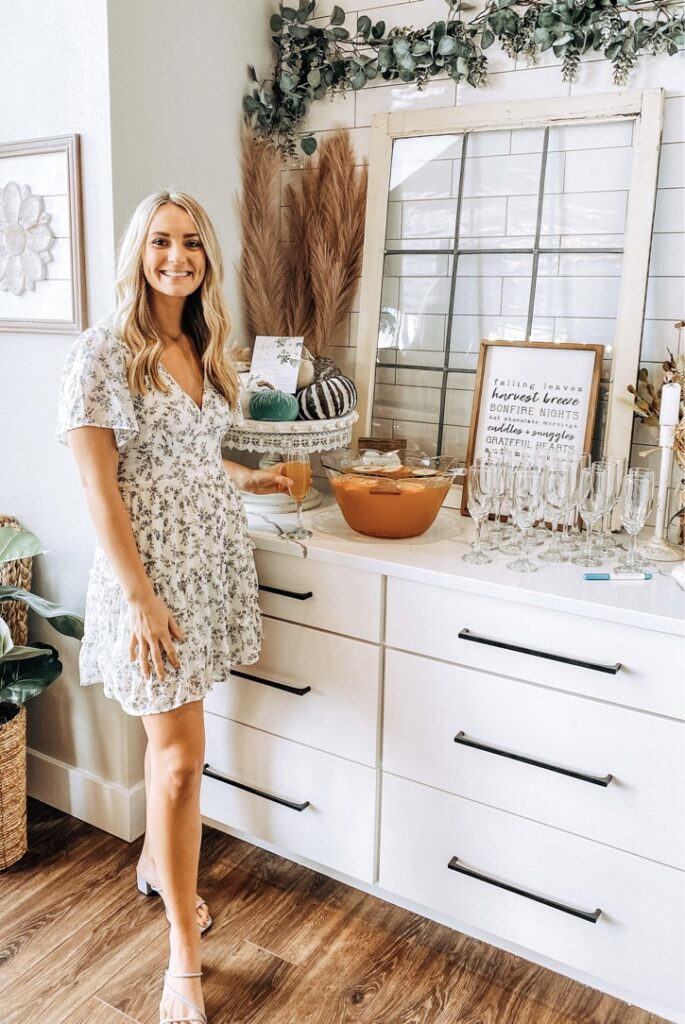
<point x="669" y="411"/>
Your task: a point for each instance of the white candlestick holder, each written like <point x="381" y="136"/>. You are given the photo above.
<point x="658" y="548"/>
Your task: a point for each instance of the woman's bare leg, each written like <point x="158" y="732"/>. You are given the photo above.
<point x="146" y="859"/>
<point x="146" y="866"/>
<point x="176" y="743"/>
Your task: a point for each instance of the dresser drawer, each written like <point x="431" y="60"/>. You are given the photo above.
<point x="636" y="943"/>
<point x="309" y="686"/>
<point x="327" y="813"/>
<point x="650" y="672"/>
<point x="630" y="793"/>
<point x="317" y="594"/>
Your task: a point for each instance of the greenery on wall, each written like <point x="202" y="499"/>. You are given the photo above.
<point x="315" y="60"/>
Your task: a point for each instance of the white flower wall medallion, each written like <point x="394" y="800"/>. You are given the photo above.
<point x="25" y="239"/>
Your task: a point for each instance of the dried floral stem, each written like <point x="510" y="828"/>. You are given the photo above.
<point x="327" y="226"/>
<point x="337" y="248"/>
<point x="647" y="399"/>
<point x="262" y="269"/>
<point x="298" y="300"/>
<point x="305" y="286"/>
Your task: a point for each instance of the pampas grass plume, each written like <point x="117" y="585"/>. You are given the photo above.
<point x="262" y="269"/>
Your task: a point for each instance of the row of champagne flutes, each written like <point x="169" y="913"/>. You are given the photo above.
<point x="532" y="491"/>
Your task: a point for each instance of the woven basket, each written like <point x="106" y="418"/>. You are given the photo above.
<point x="13" y="834"/>
<point x="15" y="574"/>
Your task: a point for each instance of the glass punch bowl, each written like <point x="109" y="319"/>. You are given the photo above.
<point x="390" y="494"/>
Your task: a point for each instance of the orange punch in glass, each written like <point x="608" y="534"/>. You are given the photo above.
<point x="299" y="471"/>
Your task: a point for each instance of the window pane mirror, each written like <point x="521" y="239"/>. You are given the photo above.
<point x="490" y="222"/>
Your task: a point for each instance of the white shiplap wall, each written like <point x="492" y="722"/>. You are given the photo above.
<point x="511" y="80"/>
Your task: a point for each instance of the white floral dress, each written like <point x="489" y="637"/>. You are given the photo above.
<point x="188" y="520"/>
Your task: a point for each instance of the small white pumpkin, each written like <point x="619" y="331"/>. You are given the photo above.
<point x="306" y="371"/>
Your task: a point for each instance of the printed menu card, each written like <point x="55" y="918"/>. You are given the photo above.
<point x="276" y="360"/>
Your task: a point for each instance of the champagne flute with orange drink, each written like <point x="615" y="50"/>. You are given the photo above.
<point x="299" y="472"/>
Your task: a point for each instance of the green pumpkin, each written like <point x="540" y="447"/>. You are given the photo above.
<point x="273" y="405"/>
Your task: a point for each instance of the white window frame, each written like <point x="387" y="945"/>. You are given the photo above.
<point x="645" y="107"/>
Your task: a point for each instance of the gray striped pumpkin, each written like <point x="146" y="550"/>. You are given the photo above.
<point x="328" y="398"/>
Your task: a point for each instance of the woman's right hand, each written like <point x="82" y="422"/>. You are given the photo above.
<point x="153" y="629"/>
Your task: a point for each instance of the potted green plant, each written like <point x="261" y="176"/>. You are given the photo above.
<point x="24" y="673"/>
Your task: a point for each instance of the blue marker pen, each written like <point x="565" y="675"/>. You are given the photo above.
<point x="617" y="576"/>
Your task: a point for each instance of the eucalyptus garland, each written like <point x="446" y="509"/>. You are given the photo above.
<point x="314" y="61"/>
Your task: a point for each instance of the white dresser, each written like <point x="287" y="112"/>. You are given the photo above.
<point x="505" y="755"/>
<point x="292" y="741"/>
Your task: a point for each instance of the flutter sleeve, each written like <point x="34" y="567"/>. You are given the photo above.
<point x="93" y="390"/>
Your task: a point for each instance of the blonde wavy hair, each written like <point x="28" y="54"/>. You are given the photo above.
<point x="205" y="314"/>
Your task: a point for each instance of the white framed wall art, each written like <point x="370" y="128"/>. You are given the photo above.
<point x="42" y="279"/>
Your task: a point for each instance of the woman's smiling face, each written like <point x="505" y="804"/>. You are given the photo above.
<point x="174" y="261"/>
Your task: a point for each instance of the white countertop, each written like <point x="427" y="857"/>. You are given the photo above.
<point x="436" y="557"/>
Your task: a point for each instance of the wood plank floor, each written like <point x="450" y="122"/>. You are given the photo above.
<point x="80" y="945"/>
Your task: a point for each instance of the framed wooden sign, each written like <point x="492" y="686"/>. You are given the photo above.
<point x="533" y="397"/>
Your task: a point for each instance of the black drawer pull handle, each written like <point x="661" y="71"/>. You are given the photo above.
<point x="586" y="915"/>
<point x="596" y="780"/>
<point x="299" y="691"/>
<point x="612" y="670"/>
<point x="287" y="593"/>
<point x="206" y="770"/>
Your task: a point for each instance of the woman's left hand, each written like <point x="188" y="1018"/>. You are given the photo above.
<point x="267" y="481"/>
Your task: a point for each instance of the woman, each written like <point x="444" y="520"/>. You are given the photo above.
<point x="146" y="398"/>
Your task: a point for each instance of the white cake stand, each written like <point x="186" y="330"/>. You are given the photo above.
<point x="272" y="439"/>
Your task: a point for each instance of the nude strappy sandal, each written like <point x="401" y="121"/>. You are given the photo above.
<point x="148" y="889"/>
<point x="200" y="1018"/>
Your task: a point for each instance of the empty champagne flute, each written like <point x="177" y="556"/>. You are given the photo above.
<point x="506" y="530"/>
<point x="298" y="470"/>
<point x="511" y="539"/>
<point x="479" y="502"/>
<point x="616" y="467"/>
<point x="591" y="505"/>
<point x="528" y="492"/>
<point x="573" y="535"/>
<point x="559" y="487"/>
<point x="539" y="460"/>
<point x="567" y="545"/>
<point x="502" y="460"/>
<point x="637" y="494"/>
<point x="490" y="476"/>
<point x="642" y="555"/>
